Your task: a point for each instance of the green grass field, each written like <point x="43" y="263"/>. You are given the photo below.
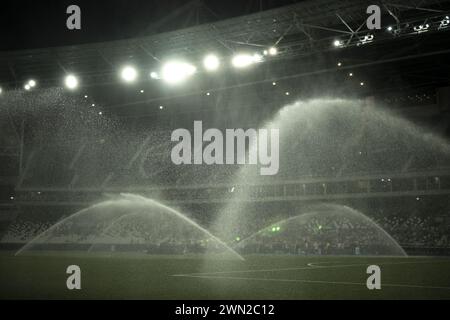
<point x="125" y="276"/>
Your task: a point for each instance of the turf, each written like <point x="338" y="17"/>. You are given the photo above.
<point x="121" y="276"/>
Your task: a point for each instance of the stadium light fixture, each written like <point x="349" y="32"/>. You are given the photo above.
<point x="367" y="39"/>
<point x="444" y="23"/>
<point x="337" y="43"/>
<point x="244" y="60"/>
<point x="29" y="84"/>
<point x="422" y="28"/>
<point x="154" y="75"/>
<point x="129" y="74"/>
<point x="211" y="62"/>
<point x="273" y="51"/>
<point x="175" y="72"/>
<point x="71" y="81"/>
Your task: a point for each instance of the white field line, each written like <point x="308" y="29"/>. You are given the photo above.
<point x="310" y="266"/>
<point x="310" y="281"/>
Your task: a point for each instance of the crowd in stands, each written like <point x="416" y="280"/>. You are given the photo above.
<point x="417" y="231"/>
<point x="315" y="235"/>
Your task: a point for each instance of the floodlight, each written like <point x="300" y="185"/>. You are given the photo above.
<point x="176" y="71"/>
<point x="71" y="82"/>
<point x="211" y="62"/>
<point x="128" y="74"/>
<point x="245" y="60"/>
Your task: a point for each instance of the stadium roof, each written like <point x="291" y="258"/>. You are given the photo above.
<point x="298" y="29"/>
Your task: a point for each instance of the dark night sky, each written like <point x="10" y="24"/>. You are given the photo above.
<point x="33" y="24"/>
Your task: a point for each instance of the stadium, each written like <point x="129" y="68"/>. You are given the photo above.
<point x="272" y="150"/>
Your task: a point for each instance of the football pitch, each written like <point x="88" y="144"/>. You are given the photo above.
<point x="140" y="276"/>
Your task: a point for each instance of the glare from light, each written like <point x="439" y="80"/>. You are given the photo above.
<point x="389" y="28"/>
<point x="71" y="82"/>
<point x="350" y="74"/>
<point x="274" y="83"/>
<point x="27" y="87"/>
<point x="86" y="96"/>
<point x="142" y="91"/>
<point x="1" y="90"/>
<point x="287" y="93"/>
<point x="32" y="83"/>
<point x="211" y="62"/>
<point x="100" y="113"/>
<point x="154" y="75"/>
<point x="128" y="74"/>
<point x="176" y="72"/>
<point x="242" y="60"/>
<point x="257" y="58"/>
<point x="362" y="83"/>
<point x="339" y="64"/>
<point x="337" y="43"/>
<point x="273" y="51"/>
<point x="161" y="107"/>
<point x="245" y="60"/>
